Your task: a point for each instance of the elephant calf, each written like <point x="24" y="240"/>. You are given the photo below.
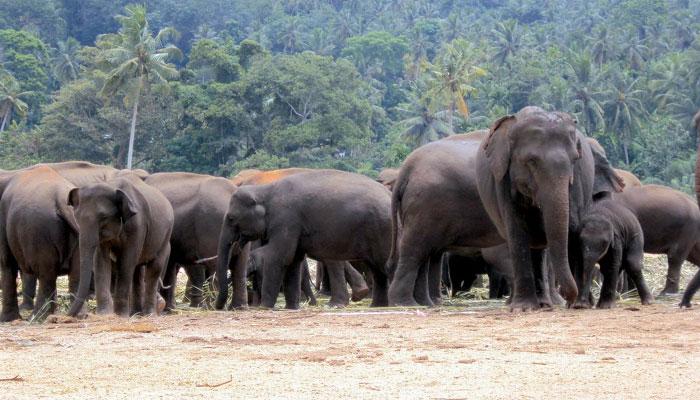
<point x="612" y="237"/>
<point x="126" y="219"/>
<point x="325" y="214"/>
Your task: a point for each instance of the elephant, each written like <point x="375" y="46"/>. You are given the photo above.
<point x="628" y="178"/>
<point x="257" y="177"/>
<point x="333" y="277"/>
<point x="199" y="204"/>
<point x="125" y="222"/>
<point x="694" y="283"/>
<point x="387" y="177"/>
<point x="313" y="213"/>
<point x="670" y="221"/>
<point x="612" y="237"/>
<point x="38" y="236"/>
<point x="460" y="270"/>
<point x="537" y="175"/>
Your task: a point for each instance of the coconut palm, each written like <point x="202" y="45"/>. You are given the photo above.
<point x="583" y="81"/>
<point x="508" y="40"/>
<point x="452" y="76"/>
<point x="624" y="110"/>
<point x="134" y="57"/>
<point x="422" y="124"/>
<point x="66" y="67"/>
<point x="11" y="99"/>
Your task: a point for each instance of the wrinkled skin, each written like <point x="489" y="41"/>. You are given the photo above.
<point x="431" y="224"/>
<point x="38" y="236"/>
<point x="199" y="204"/>
<point x="537" y="176"/>
<point x="314" y="214"/>
<point x="125" y="219"/>
<point x="460" y="270"/>
<point x="612" y="237"/>
<point x="670" y="221"/>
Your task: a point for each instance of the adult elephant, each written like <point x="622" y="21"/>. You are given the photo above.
<point x="38" y="236"/>
<point x="537" y="176"/>
<point x="696" y="125"/>
<point x="258" y="177"/>
<point x="126" y="219"/>
<point x="387" y="177"/>
<point x="313" y="213"/>
<point x="199" y="204"/>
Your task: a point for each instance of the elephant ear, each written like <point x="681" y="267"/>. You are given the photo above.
<point x="497" y="146"/>
<point x="606" y="179"/>
<point x="246" y="197"/>
<point x="126" y="206"/>
<point x="74" y="197"/>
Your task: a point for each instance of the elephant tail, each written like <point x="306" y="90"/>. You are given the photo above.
<point x="396" y="197"/>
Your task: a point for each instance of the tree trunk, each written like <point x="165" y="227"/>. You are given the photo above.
<point x="132" y="134"/>
<point x="5" y="118"/>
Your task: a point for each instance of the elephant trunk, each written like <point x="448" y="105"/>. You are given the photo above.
<point x="232" y="247"/>
<point x="87" y="258"/>
<point x="555" y="212"/>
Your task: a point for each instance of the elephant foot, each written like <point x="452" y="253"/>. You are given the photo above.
<point x="581" y="304"/>
<point x="685" y="304"/>
<point x="524" y="304"/>
<point x="197" y="302"/>
<point x="403" y="303"/>
<point x="291" y="306"/>
<point x="10" y="316"/>
<point x="336" y="305"/>
<point x="360" y="293"/>
<point x="437" y="301"/>
<point x="557" y="300"/>
<point x="669" y="291"/>
<point x="605" y="305"/>
<point x="26" y="306"/>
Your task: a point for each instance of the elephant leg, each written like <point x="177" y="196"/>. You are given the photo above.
<point x="8" y="275"/>
<point x="169" y="283"/>
<point x="610" y="268"/>
<point x="339" y="287"/>
<point x="380" y="288"/>
<point x="554" y="294"/>
<point x="421" y="290"/>
<point x="413" y="257"/>
<point x="673" y="277"/>
<point x="292" y="285"/>
<point x="28" y="291"/>
<point x="358" y="286"/>
<point x="306" y="283"/>
<point x="435" y="279"/>
<point x="541" y="278"/>
<point x="124" y="289"/>
<point x="136" y="298"/>
<point x="196" y="276"/>
<point x="45" y="303"/>
<point x="325" y="282"/>
<point x="152" y="274"/>
<point x="693" y="286"/>
<point x="633" y="263"/>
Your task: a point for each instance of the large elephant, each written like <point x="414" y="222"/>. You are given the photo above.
<point x="325" y="214"/>
<point x="38" y="236"/>
<point x="537" y="176"/>
<point x="199" y="203"/>
<point x="670" y="221"/>
<point x="258" y="177"/>
<point x="612" y="237"/>
<point x="125" y="219"/>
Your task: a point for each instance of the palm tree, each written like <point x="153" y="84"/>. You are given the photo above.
<point x="601" y="46"/>
<point x="452" y="75"/>
<point x="66" y="66"/>
<point x="422" y="124"/>
<point x="10" y="99"/>
<point x="582" y="82"/>
<point x="624" y="110"/>
<point x="134" y="56"/>
<point x="508" y="39"/>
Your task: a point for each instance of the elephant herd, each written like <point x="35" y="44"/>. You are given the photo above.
<point x="531" y="201"/>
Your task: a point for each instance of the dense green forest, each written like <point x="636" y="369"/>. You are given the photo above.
<point x="215" y="86"/>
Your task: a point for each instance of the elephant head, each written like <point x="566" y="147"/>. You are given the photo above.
<point x="245" y="221"/>
<point x="597" y="236"/>
<point x="532" y="156"/>
<point x="101" y="212"/>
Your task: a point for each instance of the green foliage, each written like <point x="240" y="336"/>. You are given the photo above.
<point x="345" y="84"/>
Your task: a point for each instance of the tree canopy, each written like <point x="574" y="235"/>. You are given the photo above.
<point x="354" y="85"/>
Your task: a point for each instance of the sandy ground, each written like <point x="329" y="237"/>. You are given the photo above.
<point x="628" y="352"/>
<point x="468" y="350"/>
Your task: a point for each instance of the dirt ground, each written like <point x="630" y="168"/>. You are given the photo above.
<point x="474" y="349"/>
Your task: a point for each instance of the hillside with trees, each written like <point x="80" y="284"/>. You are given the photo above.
<point x="215" y="86"/>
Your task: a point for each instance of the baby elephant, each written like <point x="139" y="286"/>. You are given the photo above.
<point x="611" y="236"/>
<point x="124" y="224"/>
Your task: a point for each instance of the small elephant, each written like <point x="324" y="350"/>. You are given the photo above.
<point x="612" y="237"/>
<point x="325" y="214"/>
<point x="336" y="275"/>
<point x="128" y="223"/>
<point x="460" y="270"/>
<point x="38" y="236"/>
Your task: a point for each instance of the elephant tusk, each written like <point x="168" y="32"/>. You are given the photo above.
<point x="203" y="260"/>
